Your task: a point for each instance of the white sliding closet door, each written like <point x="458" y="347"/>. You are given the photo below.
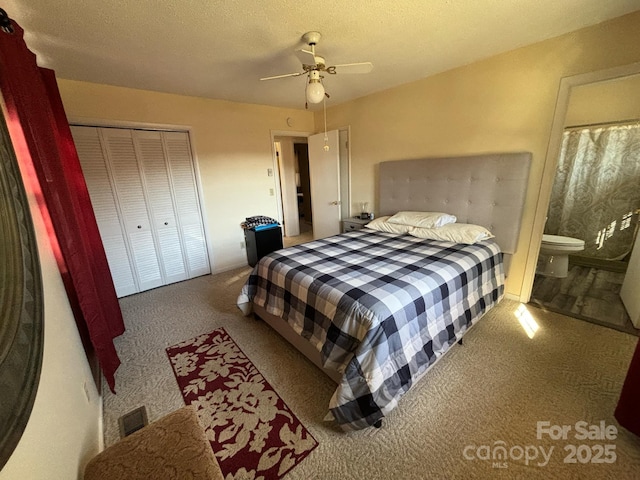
<point x="178" y="152"/>
<point x="144" y="194"/>
<point x="152" y="161"/>
<point x="106" y="208"/>
<point x="135" y="215"/>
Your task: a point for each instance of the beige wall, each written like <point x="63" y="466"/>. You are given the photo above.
<point x="612" y="101"/>
<point x="504" y="103"/>
<point x="232" y="142"/>
<point x="63" y="431"/>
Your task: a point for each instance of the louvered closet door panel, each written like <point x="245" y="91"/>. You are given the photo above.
<point x="187" y="201"/>
<point x="105" y="208"/>
<point x="158" y="188"/>
<point x="130" y="194"/>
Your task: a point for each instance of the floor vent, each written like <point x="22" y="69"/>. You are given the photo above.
<point x="132" y="421"/>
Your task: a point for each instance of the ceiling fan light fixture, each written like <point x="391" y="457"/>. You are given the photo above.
<point x="315" y="89"/>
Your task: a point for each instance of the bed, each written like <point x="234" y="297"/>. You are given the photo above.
<point x="376" y="310"/>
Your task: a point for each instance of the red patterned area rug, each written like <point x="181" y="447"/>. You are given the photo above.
<point x="253" y="433"/>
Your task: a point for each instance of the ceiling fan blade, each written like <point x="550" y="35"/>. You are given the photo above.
<point x="362" y="67"/>
<point x="305" y="56"/>
<point x="297" y="74"/>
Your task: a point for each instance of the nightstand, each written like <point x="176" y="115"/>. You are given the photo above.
<point x="351" y="224"/>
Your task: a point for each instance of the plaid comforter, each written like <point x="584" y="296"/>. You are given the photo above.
<point x="381" y="308"/>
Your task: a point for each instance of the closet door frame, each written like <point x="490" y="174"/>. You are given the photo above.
<point x="165" y="127"/>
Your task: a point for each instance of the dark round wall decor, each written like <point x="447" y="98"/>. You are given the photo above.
<point x="21" y="303"/>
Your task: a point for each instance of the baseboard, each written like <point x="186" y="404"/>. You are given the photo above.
<point x="600" y="263"/>
<point x="230" y="267"/>
<point x="511" y="296"/>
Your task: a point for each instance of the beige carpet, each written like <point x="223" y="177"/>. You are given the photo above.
<point x="493" y="388"/>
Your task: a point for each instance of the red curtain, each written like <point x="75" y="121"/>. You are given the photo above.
<point x="42" y="139"/>
<point x="628" y="411"/>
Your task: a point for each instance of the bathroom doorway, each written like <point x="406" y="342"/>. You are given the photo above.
<point x="595" y="198"/>
<point x="294" y="183"/>
<point x="292" y="162"/>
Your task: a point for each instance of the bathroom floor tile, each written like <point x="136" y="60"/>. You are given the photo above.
<point x="587" y="293"/>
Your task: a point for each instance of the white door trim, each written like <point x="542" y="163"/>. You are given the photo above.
<point x="349" y="198"/>
<point x="103" y="123"/>
<point x="551" y="161"/>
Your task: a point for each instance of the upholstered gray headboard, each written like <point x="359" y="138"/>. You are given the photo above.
<point x="487" y="190"/>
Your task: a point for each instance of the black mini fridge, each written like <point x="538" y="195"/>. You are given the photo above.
<point x="262" y="242"/>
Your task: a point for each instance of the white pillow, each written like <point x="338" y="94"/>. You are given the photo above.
<point x="381" y="224"/>
<point x="454" y="232"/>
<point x="423" y="219"/>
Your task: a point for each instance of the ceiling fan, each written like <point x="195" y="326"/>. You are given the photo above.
<point x="314" y="66"/>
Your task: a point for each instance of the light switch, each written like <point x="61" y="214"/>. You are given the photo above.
<point x="270" y="172"/>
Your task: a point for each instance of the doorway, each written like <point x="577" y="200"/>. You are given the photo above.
<point x="598" y="160"/>
<point x="295" y="185"/>
<point x="292" y="162"/>
<point x="303" y="191"/>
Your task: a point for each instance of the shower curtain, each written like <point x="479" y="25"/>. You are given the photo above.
<point x="596" y="193"/>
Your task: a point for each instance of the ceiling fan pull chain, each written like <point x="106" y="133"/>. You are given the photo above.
<point x="326" y="138"/>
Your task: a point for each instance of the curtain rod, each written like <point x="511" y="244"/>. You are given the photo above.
<point x="604" y="124"/>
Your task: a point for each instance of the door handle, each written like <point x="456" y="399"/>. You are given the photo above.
<point x="336" y="202"/>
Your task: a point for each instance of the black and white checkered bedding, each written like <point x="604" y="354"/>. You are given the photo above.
<point x="381" y="308"/>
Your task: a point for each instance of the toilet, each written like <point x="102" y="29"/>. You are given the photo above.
<point x="554" y="254"/>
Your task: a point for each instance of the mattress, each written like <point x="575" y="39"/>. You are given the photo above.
<point x="380" y="308"/>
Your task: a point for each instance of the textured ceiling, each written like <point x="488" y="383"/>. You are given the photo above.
<point x="220" y="49"/>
